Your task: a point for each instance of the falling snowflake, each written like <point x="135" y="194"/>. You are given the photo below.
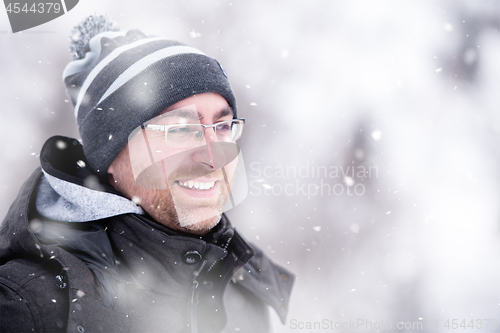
<point x="377" y="135"/>
<point x="136" y="200"/>
<point x="348" y="181"/>
<point x="76" y="36"/>
<point x="194" y="34"/>
<point x="61" y="144"/>
<point x="354" y="227"/>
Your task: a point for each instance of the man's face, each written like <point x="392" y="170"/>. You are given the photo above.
<point x="186" y="188"/>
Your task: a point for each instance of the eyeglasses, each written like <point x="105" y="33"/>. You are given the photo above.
<point x="190" y="135"/>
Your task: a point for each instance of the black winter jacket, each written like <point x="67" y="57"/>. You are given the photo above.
<point x="127" y="273"/>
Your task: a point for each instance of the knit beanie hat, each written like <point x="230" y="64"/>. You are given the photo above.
<point x="118" y="80"/>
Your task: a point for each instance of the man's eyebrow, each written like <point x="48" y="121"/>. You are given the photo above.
<point x="222" y="113"/>
<point x="189" y="114"/>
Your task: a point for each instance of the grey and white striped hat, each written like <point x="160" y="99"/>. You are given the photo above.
<point x="121" y="79"/>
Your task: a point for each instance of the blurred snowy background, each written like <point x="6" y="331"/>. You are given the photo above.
<point x="404" y="90"/>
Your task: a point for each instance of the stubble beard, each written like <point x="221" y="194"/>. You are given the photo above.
<point x="182" y="212"/>
<point x="187" y="216"/>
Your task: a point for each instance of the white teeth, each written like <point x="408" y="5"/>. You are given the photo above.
<point x="197" y="185"/>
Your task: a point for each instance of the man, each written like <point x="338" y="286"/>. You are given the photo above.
<point x="125" y="231"/>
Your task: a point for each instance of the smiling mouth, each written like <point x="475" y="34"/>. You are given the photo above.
<point x="196" y="185"/>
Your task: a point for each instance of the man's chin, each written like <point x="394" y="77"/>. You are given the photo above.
<point x="200" y="222"/>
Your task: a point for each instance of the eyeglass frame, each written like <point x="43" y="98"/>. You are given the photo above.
<point x="164" y="128"/>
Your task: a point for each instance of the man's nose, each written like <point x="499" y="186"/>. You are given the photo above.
<point x="215" y="153"/>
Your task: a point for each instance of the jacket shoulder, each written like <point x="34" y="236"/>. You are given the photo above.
<point x="33" y="297"/>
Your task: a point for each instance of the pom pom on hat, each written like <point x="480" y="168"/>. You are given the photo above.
<point x="88" y="28"/>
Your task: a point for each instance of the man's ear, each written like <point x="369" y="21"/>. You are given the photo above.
<point x="111" y="170"/>
<point x="111" y="178"/>
<point x="114" y="167"/>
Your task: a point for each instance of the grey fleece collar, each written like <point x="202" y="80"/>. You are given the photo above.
<point x="60" y="200"/>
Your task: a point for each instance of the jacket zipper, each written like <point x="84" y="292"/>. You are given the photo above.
<point x="194" y="299"/>
<point x="194" y="294"/>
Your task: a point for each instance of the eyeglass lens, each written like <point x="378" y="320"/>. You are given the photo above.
<point x="191" y="135"/>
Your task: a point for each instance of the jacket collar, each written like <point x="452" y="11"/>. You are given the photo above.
<point x="69" y="182"/>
